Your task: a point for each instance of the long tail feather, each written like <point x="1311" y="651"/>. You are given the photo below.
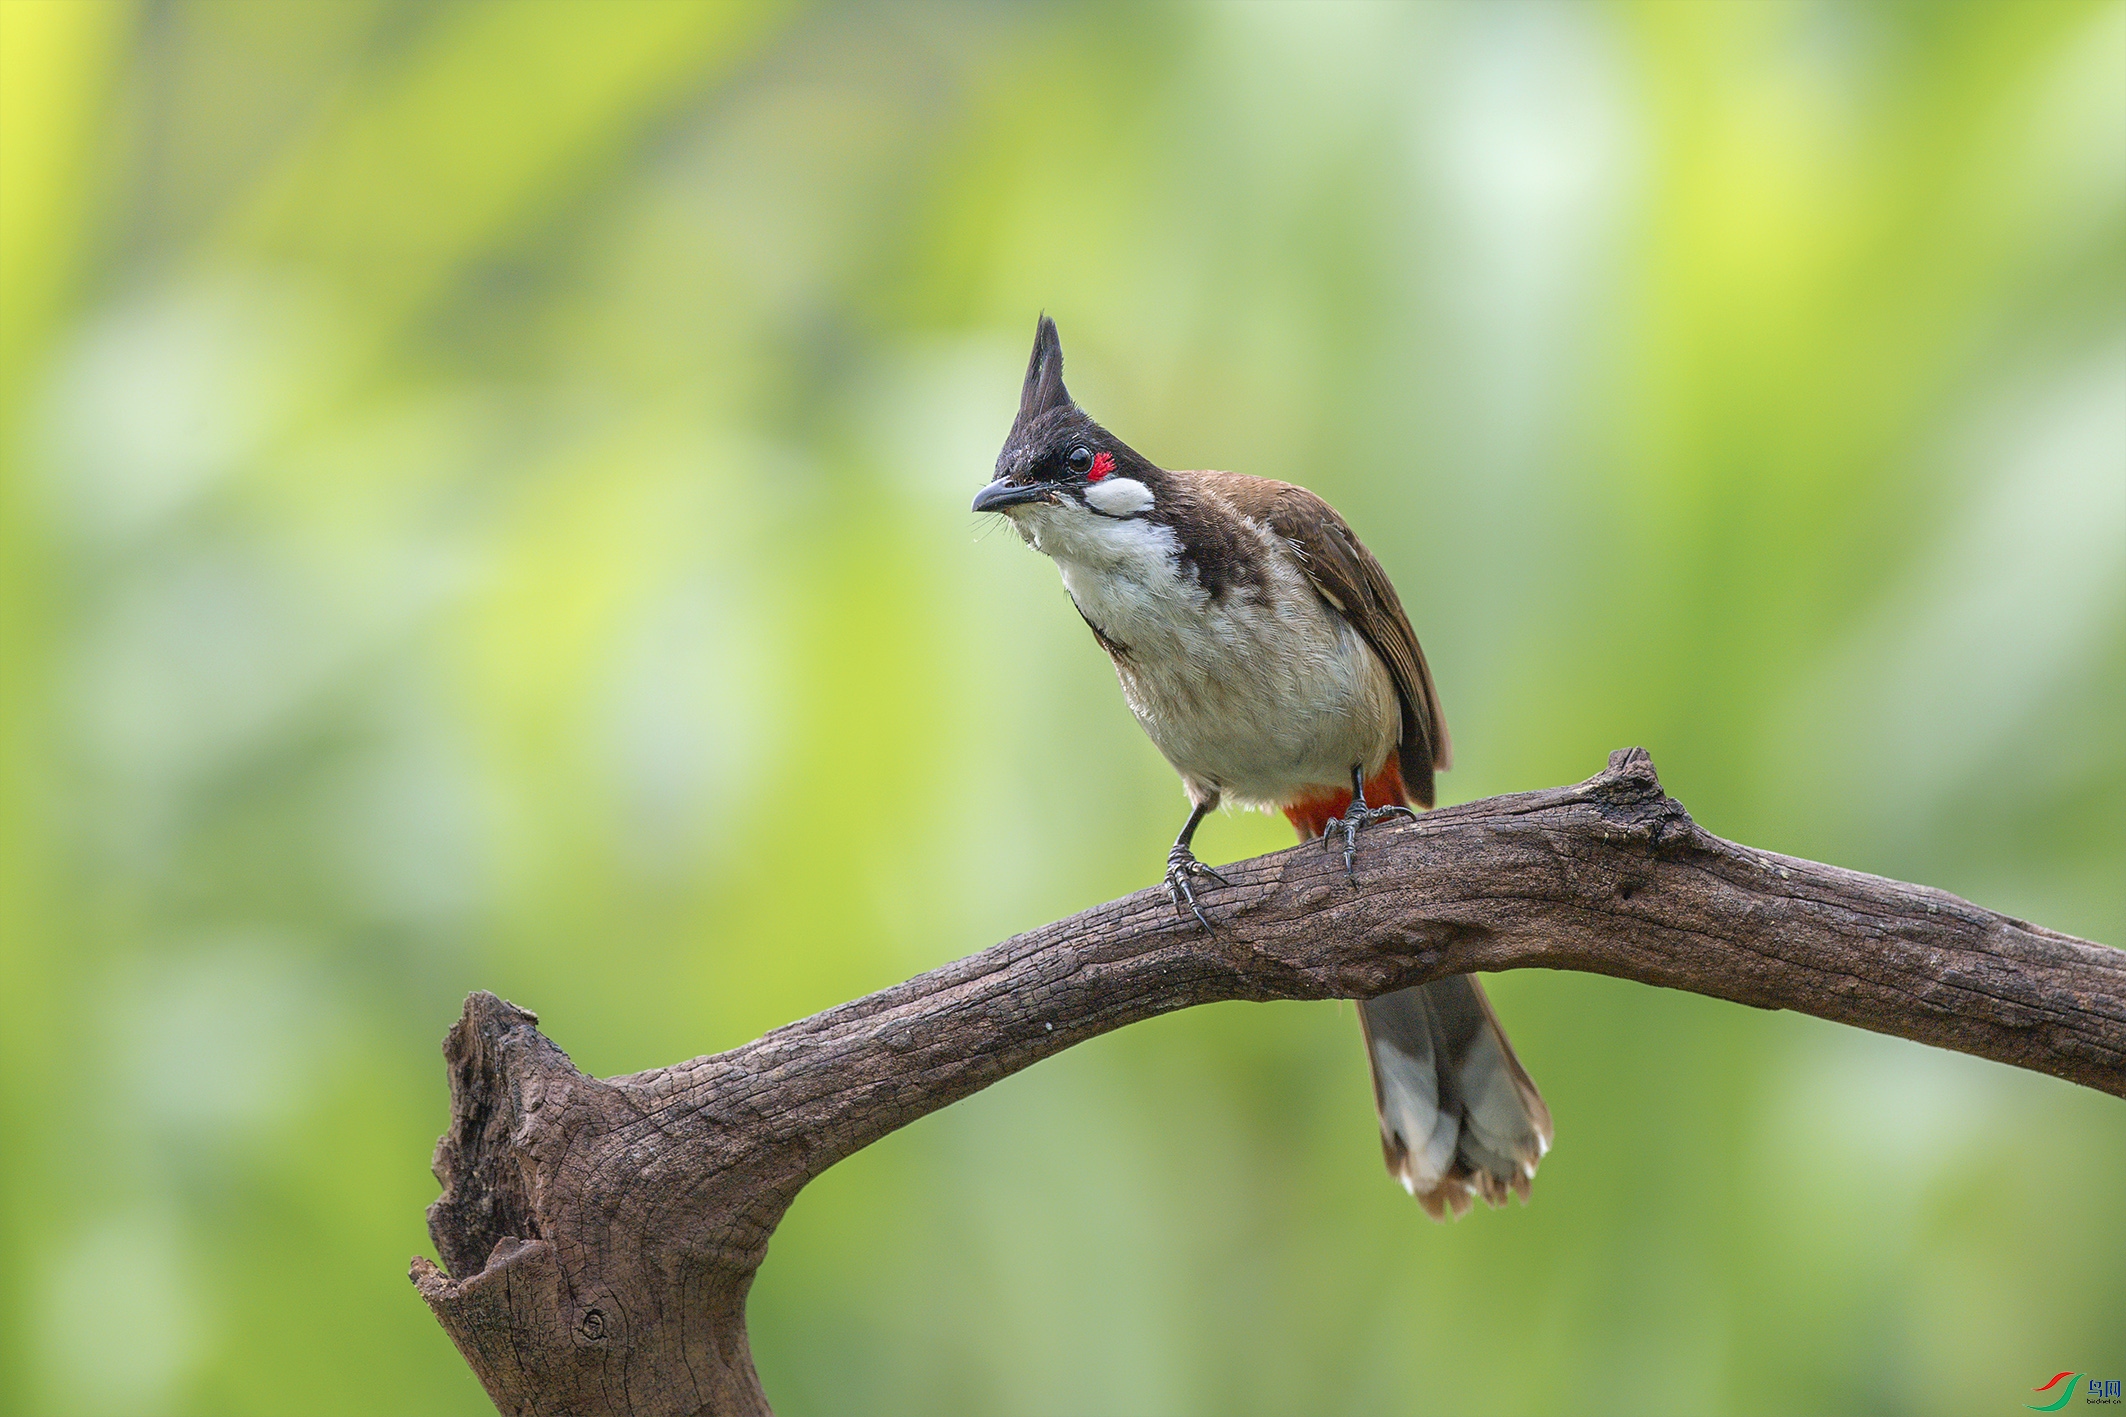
<point x="1459" y="1117"/>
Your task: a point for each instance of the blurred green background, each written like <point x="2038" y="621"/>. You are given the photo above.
<point x="485" y="507"/>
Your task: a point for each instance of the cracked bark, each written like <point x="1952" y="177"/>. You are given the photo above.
<point x="600" y="1235"/>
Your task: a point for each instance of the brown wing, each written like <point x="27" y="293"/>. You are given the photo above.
<point x="1348" y="577"/>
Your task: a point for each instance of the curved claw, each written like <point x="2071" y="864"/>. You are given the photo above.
<point x="1350" y="823"/>
<point x="1197" y="868"/>
<point x="1177" y="890"/>
<point x="1180" y="865"/>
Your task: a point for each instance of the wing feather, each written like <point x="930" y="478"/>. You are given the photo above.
<point x="1354" y="584"/>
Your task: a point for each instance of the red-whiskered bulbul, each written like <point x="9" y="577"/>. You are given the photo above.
<point x="1263" y="649"/>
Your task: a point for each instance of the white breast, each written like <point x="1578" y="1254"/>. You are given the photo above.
<point x="1255" y="698"/>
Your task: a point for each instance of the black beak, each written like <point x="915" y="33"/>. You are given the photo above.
<point x="1004" y="493"/>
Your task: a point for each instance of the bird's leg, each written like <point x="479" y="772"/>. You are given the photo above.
<point x="1357" y="815"/>
<point x="1181" y="863"/>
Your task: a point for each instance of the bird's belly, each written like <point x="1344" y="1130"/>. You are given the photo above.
<point x="1257" y="696"/>
<point x="1262" y="706"/>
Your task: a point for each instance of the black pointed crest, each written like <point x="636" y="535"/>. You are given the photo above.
<point x="1048" y="420"/>
<point x="1044" y="375"/>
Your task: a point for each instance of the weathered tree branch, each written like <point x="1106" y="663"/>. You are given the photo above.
<point x="603" y="1233"/>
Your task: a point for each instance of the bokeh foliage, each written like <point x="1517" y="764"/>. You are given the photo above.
<point x="485" y="507"/>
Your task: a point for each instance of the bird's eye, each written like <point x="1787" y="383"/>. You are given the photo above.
<point x="1080" y="459"/>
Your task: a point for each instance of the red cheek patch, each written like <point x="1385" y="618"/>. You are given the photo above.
<point x="1103" y="464"/>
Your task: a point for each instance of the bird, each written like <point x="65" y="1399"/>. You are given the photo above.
<point x="1263" y="649"/>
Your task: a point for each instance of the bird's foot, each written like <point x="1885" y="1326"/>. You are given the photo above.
<point x="1181" y="863"/>
<point x="1358" y="817"/>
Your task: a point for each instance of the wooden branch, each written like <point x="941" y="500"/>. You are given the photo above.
<point x="603" y="1234"/>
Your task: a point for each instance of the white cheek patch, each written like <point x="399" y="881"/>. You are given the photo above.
<point x="1119" y="496"/>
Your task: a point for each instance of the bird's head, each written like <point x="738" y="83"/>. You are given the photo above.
<point x="1059" y="471"/>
